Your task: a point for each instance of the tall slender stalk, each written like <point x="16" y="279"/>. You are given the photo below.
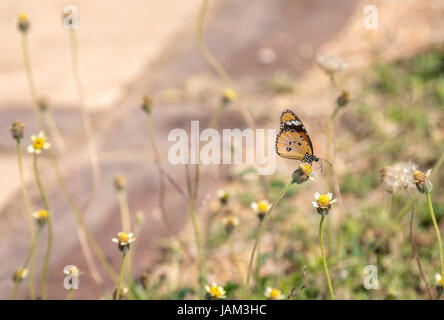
<point x="415" y="251"/>
<point x="216" y="65"/>
<point x="202" y="277"/>
<point x="32" y="274"/>
<point x="82" y="226"/>
<point x="54" y="130"/>
<point x="321" y="243"/>
<point x="81" y="223"/>
<point x="31" y="222"/>
<point x="119" y="282"/>
<point x="124" y="211"/>
<point x="438" y="236"/>
<point x="87" y="125"/>
<point x="235" y="259"/>
<point x="162" y="176"/>
<point x="30" y="77"/>
<point x="259" y="234"/>
<point x="49" y="223"/>
<point x="68" y="297"/>
<point x="438" y="164"/>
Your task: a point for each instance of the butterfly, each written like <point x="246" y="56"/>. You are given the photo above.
<point x="293" y="141"/>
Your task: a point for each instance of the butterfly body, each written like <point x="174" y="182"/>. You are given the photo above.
<point x="293" y="141"/>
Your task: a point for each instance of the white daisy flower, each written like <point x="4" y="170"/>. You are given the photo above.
<point x="39" y="143"/>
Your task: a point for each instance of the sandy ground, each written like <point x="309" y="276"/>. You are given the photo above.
<point x="120" y="64"/>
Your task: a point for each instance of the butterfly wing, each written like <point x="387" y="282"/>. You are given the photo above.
<point x="290" y="144"/>
<point x="289" y="120"/>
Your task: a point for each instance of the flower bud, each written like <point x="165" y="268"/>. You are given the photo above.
<point x="229" y="96"/>
<point x="120" y="182"/>
<point x="42" y="104"/>
<point x="223" y="197"/>
<point x="344" y="98"/>
<point x="20" y="274"/>
<point x="422" y="181"/>
<point x="23" y="23"/>
<point x="17" y="130"/>
<point x="147" y="104"/>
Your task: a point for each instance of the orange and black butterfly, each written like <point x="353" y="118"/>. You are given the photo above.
<point x="293" y="141"/>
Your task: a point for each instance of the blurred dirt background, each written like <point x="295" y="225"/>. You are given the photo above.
<point x="149" y="47"/>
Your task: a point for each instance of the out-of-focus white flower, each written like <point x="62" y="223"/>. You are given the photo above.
<point x="398" y="177"/>
<point x="273" y="294"/>
<point x="331" y="64"/>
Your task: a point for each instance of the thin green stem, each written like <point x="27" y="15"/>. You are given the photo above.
<point x="435" y="224"/>
<point x="321" y="243"/>
<point x="415" y="251"/>
<point x="331" y="121"/>
<point x="202" y="277"/>
<point x="30" y="77"/>
<point x="438" y="164"/>
<point x="32" y="269"/>
<point x="54" y="130"/>
<point x="162" y="175"/>
<point x="68" y="297"/>
<point x="259" y="234"/>
<point x="119" y="282"/>
<point x="137" y="231"/>
<point x="49" y="222"/>
<point x="80" y="220"/>
<point x="124" y="211"/>
<point x="235" y="259"/>
<point x="60" y="179"/>
<point x="31" y="222"/>
<point x="16" y="285"/>
<point x="87" y="125"/>
<point x="211" y="60"/>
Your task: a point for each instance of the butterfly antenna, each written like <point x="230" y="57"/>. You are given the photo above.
<point x="325" y="160"/>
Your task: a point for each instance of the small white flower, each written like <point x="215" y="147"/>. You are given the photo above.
<point x="323" y="201"/>
<point x="273" y="294"/>
<point x="231" y="220"/>
<point x="438" y="280"/>
<point x="260" y="207"/>
<point x="124" y="239"/>
<point x="39" y="143"/>
<point x="332" y="64"/>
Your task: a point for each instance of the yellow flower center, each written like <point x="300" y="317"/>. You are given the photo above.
<point x="38" y="143"/>
<point x="262" y="206"/>
<point x="215" y="291"/>
<point x="306" y="168"/>
<point x="275" y="293"/>
<point x="230" y="94"/>
<point x="23" y="17"/>
<point x="42" y="214"/>
<point x="123" y="237"/>
<point x="323" y="201"/>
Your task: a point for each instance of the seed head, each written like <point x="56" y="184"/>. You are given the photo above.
<point x="398" y="177"/>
